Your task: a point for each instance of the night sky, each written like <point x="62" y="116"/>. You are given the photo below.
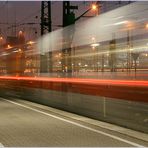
<point x="18" y="12"/>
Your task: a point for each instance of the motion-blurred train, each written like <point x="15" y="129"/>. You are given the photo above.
<point x="113" y="45"/>
<point x="113" y="41"/>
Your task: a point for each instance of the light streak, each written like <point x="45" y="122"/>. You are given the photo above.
<point x="120" y="23"/>
<point x="80" y="80"/>
<point x="119" y="89"/>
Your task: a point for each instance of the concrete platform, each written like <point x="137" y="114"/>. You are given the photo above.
<point x="28" y="124"/>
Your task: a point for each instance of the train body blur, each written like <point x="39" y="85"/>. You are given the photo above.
<point x="115" y="41"/>
<point x="111" y="46"/>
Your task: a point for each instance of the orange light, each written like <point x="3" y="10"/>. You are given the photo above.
<point x="20" y="31"/>
<point x="146" y="26"/>
<point x="94" y="7"/>
<point x="19" y="50"/>
<point x="8" y="46"/>
<point x="30" y="42"/>
<point x="129" y="25"/>
<point x="1" y="38"/>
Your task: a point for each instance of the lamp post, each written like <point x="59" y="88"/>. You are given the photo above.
<point x="69" y="19"/>
<point x="93" y="7"/>
<point x="129" y="25"/>
<point x="135" y="56"/>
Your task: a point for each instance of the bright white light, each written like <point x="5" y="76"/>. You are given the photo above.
<point x="122" y="22"/>
<point x="131" y="49"/>
<point x="95" y="45"/>
<point x="85" y="65"/>
<point x="15" y="51"/>
<point x="60" y="62"/>
<point x="79" y="64"/>
<point x="94" y="7"/>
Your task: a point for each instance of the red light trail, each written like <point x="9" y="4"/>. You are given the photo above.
<point x="132" y="90"/>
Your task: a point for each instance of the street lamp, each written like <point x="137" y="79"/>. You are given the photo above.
<point x="69" y="20"/>
<point x="94" y="7"/>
